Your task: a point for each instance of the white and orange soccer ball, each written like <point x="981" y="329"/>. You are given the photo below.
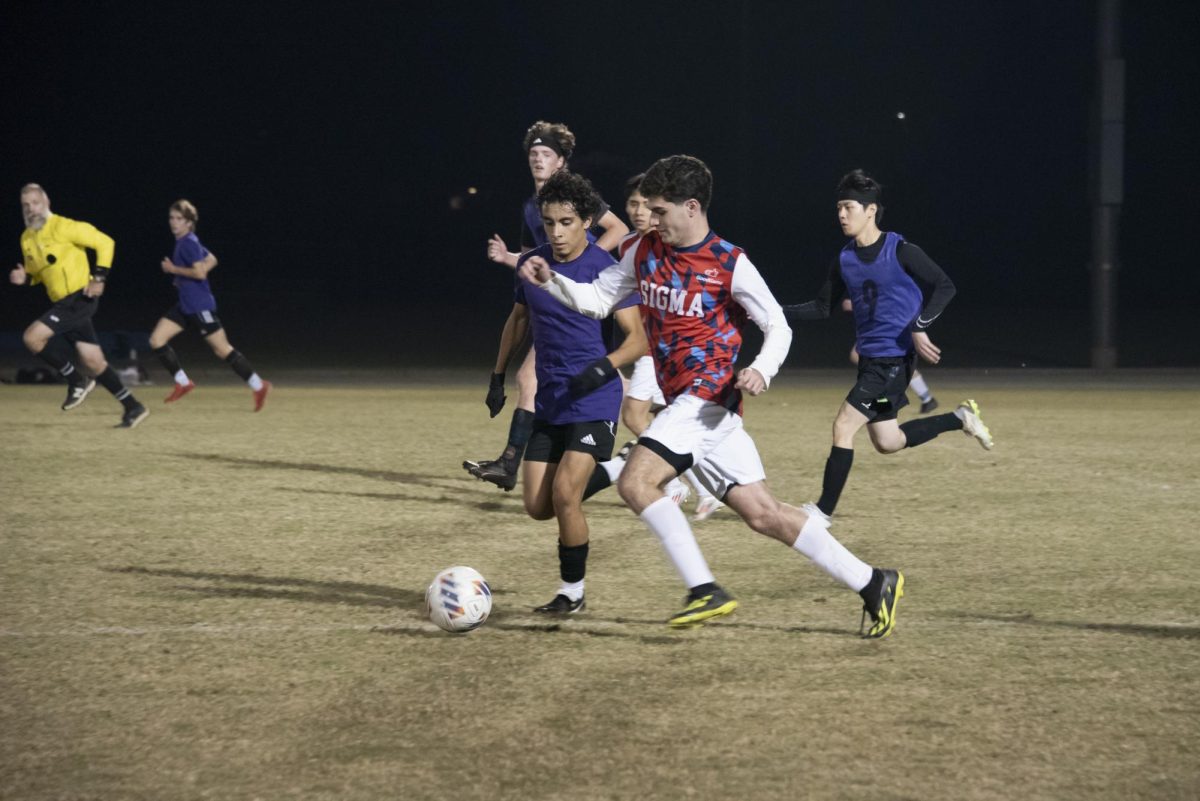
<point x="459" y="599"/>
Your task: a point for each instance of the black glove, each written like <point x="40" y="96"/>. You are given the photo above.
<point x="496" y="397"/>
<point x="594" y="376"/>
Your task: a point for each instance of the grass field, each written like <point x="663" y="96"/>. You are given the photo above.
<point x="224" y="605"/>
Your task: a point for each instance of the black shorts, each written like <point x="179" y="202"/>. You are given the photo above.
<point x="882" y="386"/>
<point x="549" y="442"/>
<point x="206" y="322"/>
<point x="72" y="317"/>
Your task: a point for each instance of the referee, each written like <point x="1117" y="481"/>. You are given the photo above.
<point x="55" y="256"/>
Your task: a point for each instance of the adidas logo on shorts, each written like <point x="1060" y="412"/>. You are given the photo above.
<point x="587" y="440"/>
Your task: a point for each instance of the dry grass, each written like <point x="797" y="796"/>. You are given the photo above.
<point x="227" y="605"/>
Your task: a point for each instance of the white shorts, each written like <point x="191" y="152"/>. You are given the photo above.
<point x="644" y="384"/>
<point x="723" y="454"/>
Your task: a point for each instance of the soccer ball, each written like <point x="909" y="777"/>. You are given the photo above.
<point x="459" y="599"/>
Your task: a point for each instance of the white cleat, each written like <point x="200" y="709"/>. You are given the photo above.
<point x="706" y="507"/>
<point x="968" y="412"/>
<point x="812" y="510"/>
<point x="677" y="491"/>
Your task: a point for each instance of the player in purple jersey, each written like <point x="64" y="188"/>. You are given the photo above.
<point x="548" y="146"/>
<point x="918" y="383"/>
<point x="578" y="392"/>
<point x="896" y="292"/>
<point x="696" y="290"/>
<point x="190" y="264"/>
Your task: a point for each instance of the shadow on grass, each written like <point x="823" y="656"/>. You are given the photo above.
<point x="315" y="467"/>
<point x="483" y="506"/>
<point x="283" y="588"/>
<point x="1136" y="629"/>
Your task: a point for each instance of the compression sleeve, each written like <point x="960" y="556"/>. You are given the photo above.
<point x="928" y="275"/>
<point x="818" y="309"/>
<point x="752" y="294"/>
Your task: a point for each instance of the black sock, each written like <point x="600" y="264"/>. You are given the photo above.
<point x="109" y="380"/>
<point x="240" y="365"/>
<point x="57" y="354"/>
<point x="166" y="355"/>
<point x="572" y="562"/>
<point x="597" y="482"/>
<point x="924" y="429"/>
<point x="837" y="470"/>
<point x="519" y="432"/>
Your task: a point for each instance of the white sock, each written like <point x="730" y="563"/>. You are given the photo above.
<point x="920" y="387"/>
<point x="255" y="382"/>
<point x="827" y="553"/>
<point x="181" y="377"/>
<point x="573" y="590"/>
<point x="670" y="525"/>
<point x="701" y="490"/>
<point x="613" y="467"/>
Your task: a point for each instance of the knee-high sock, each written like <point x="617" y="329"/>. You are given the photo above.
<point x="170" y="361"/>
<point x="920" y="387"/>
<point x="519" y="432"/>
<point x="837" y="470"/>
<point x="827" y="553"/>
<point x="603" y="476"/>
<point x="924" y="429"/>
<point x="670" y="525"/>
<point x="110" y="381"/>
<point x="57" y="354"/>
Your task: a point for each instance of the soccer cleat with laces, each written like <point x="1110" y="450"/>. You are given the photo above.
<point x="133" y="416"/>
<point x="879" y="601"/>
<point x="260" y="395"/>
<point x="929" y="405"/>
<point x="968" y="412"/>
<point x="706" y="507"/>
<point x="562" y="605"/>
<point x="179" y="391"/>
<point x="704" y="607"/>
<point x="77" y="394"/>
<point x="497" y="472"/>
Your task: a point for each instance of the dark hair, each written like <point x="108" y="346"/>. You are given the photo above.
<point x="571" y="190"/>
<point x="678" y="179"/>
<point x="633" y="184"/>
<point x="857" y="185"/>
<point x="555" y="135"/>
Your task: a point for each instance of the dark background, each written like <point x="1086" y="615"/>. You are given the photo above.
<point x="325" y="148"/>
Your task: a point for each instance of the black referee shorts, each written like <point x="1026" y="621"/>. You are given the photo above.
<point x="72" y="317"/>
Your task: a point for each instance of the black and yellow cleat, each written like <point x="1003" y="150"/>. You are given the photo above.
<point x="879" y="601"/>
<point x="700" y="608"/>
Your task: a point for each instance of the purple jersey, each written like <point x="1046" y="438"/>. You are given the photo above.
<point x="885" y="298"/>
<point x="566" y="343"/>
<point x="195" y="295"/>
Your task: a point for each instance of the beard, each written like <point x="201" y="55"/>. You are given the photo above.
<point x="35" y="221"/>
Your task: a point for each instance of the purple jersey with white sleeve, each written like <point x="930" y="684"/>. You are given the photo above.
<point x="566" y="343"/>
<point x="195" y="295"/>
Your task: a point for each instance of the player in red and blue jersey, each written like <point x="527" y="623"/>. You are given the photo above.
<point x="696" y="291"/>
<point x="578" y="390"/>
<point x="548" y="147"/>
<point x="190" y="264"/>
<point x="896" y="292"/>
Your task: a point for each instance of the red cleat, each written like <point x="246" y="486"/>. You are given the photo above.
<point x="260" y="395"/>
<point x="179" y="391"/>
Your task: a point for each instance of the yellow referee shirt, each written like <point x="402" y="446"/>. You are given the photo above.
<point x="55" y="255"/>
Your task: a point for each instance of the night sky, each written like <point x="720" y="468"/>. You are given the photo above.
<point x="325" y="148"/>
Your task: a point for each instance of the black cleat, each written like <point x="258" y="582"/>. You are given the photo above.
<point x="133" y="416"/>
<point x="77" y="394"/>
<point x="562" y="605"/>
<point x="698" y="609"/>
<point x="497" y="472"/>
<point x="879" y="601"/>
<point x="929" y="405"/>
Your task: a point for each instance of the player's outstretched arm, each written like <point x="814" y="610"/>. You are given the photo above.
<point x="597" y="299"/>
<point x="752" y="294"/>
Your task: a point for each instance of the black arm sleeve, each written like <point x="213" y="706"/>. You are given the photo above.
<point x="818" y="309"/>
<point x="935" y="285"/>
